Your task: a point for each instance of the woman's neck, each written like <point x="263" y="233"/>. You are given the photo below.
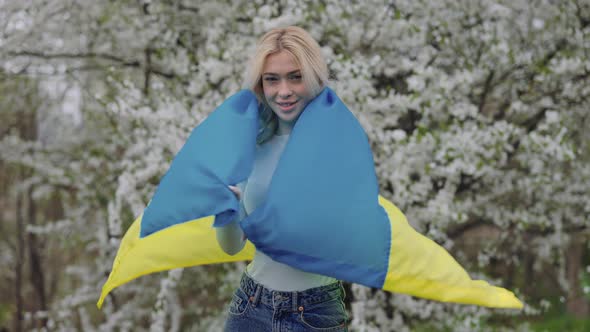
<point x="284" y="128"/>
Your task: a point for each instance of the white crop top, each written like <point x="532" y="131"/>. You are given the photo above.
<point x="263" y="269"/>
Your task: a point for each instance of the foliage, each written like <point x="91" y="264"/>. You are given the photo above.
<point x="476" y="111"/>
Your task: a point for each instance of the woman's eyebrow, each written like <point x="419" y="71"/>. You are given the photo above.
<point x="289" y="73"/>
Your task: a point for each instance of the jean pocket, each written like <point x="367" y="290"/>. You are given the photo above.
<point x="325" y="316"/>
<point x="239" y="303"/>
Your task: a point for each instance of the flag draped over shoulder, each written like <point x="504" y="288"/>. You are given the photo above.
<point x="323" y="212"/>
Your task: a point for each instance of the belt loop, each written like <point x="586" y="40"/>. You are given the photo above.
<point x="294" y="301"/>
<point x="256" y="295"/>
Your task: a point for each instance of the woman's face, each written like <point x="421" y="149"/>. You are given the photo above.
<point x="284" y="90"/>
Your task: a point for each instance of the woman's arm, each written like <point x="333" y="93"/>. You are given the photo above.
<point x="230" y="237"/>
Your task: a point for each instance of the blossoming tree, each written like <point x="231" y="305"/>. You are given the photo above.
<point x="477" y="112"/>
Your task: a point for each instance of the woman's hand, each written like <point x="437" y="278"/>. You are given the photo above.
<point x="238" y="194"/>
<point x="236" y="191"/>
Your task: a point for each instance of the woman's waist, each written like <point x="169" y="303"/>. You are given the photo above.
<point x="282" y="277"/>
<point x="258" y="293"/>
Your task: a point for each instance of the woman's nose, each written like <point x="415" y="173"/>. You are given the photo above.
<point x="285" y="89"/>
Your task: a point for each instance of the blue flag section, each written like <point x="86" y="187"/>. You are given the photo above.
<point x="323" y="212"/>
<point x="218" y="152"/>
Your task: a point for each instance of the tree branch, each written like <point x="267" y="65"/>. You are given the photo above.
<point x="101" y="56"/>
<point x="486" y="90"/>
<point x="456" y="231"/>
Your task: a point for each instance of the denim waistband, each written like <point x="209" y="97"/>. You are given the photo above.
<point x="296" y="300"/>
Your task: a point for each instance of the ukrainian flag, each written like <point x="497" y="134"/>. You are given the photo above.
<point x="323" y="212"/>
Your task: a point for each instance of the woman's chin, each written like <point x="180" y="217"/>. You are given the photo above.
<point x="288" y="117"/>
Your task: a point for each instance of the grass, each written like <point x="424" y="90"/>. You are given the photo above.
<point x="565" y="323"/>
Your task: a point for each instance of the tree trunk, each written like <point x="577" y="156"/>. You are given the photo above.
<point x="529" y="272"/>
<point x="577" y="304"/>
<point x="37" y="274"/>
<point x="53" y="211"/>
<point x="19" y="262"/>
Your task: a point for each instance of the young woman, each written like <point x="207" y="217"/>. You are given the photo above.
<point x="286" y="73"/>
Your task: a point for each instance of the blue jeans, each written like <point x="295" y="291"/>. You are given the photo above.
<point x="256" y="308"/>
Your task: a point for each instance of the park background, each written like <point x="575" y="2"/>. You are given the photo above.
<point x="477" y="112"/>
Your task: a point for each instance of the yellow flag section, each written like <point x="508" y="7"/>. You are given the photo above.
<point x="417" y="265"/>
<point x="420" y="267"/>
<point x="188" y="244"/>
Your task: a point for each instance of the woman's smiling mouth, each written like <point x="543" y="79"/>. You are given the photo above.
<point x="286" y="106"/>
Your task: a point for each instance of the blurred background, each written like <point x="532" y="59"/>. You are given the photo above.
<point x="477" y="112"/>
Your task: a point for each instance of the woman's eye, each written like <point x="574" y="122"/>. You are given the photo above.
<point x="270" y="79"/>
<point x="295" y="77"/>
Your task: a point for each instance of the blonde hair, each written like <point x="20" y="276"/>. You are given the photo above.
<point x="307" y="54"/>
